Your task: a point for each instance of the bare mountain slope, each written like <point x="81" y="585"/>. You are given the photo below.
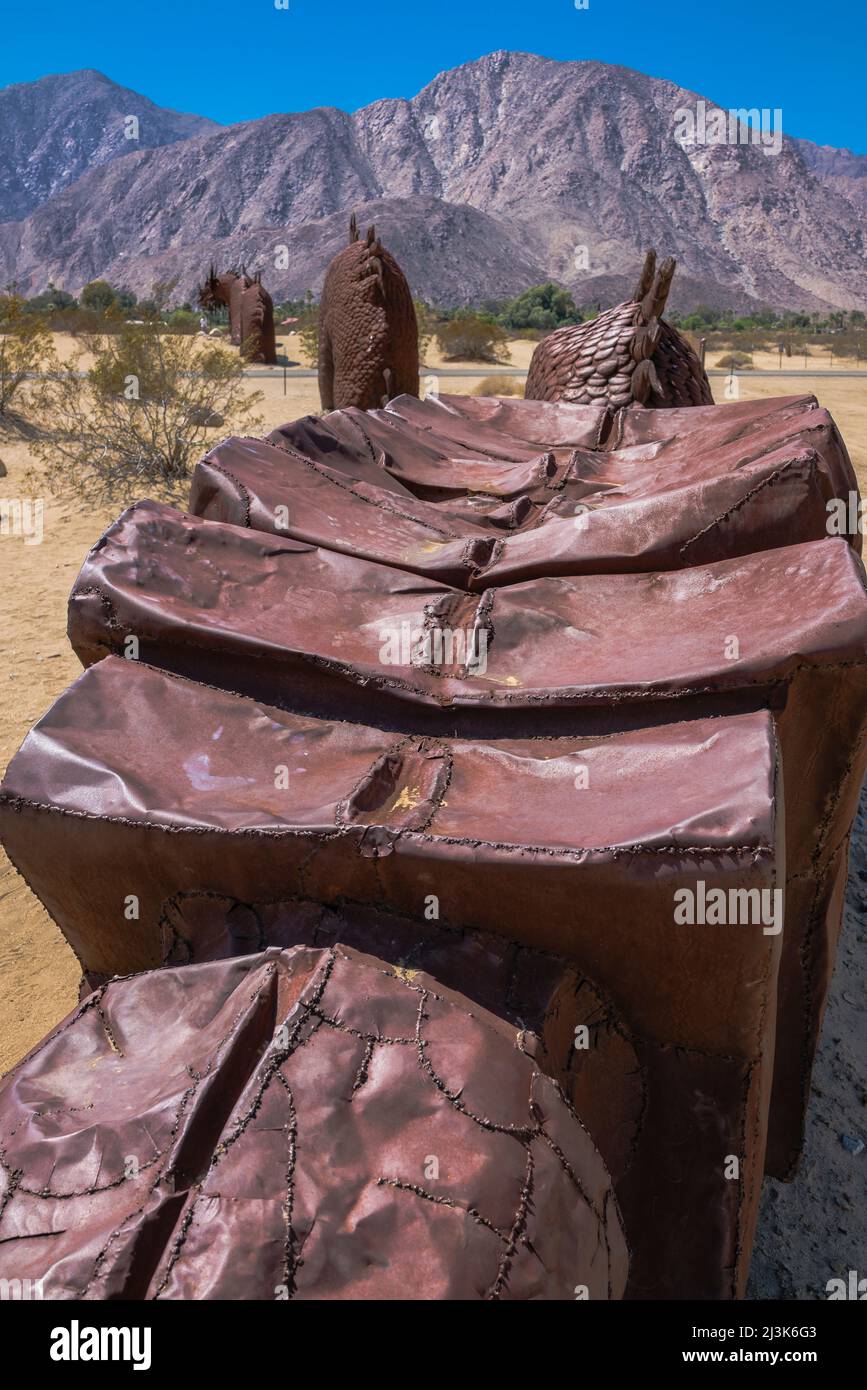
<point x="54" y="130"/>
<point x="495" y="176"/>
<point x="841" y="170"/>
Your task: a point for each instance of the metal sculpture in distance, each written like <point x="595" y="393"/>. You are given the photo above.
<point x="626" y="355"/>
<point x="251" y="311"/>
<point x="368" y="333"/>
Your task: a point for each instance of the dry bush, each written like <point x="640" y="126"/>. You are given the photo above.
<point x="26" y="348"/>
<point x="852" y="344"/>
<point x="78" y="322"/>
<point x="498" y="386"/>
<point x="182" y="321"/>
<point x="424" y="319"/>
<point x="747" y="341"/>
<point x="472" y="339"/>
<point x="308" y="330"/>
<point x="739" y="361"/>
<point x="141" y="414"/>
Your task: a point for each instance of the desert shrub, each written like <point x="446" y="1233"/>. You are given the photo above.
<point x="78" y="322"/>
<point x="183" y="321"/>
<point x="141" y="413"/>
<point x="473" y="339"/>
<point x="541" y="308"/>
<point x="26" y="347"/>
<point x="308" y="330"/>
<point x="98" y="295"/>
<point x="498" y="386"/>
<point x="844" y="345"/>
<point x="425" y="323"/>
<point x="736" y="360"/>
<point x="49" y="301"/>
<point x="701" y="318"/>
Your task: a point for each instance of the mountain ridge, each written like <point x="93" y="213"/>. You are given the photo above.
<point x="494" y="176"/>
<point x="63" y="125"/>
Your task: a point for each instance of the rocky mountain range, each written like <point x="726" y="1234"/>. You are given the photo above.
<point x="54" y="130"/>
<point x="501" y="173"/>
<point x="841" y="170"/>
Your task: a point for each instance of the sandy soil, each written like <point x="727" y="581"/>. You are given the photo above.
<point x="810" y="1229"/>
<point x="815" y="1228"/>
<point x="819" y="358"/>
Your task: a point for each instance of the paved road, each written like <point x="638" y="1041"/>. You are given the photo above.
<point x="299" y="373"/>
<point x="293" y="373"/>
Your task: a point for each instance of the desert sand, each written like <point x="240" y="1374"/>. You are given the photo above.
<point x="39" y="975"/>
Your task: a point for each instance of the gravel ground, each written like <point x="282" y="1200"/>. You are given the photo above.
<point x="815" y="1228"/>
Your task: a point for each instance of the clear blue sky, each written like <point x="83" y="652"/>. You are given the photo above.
<point x="235" y="60"/>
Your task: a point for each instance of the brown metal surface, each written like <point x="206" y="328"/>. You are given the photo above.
<point x="477" y="686"/>
<point x="368" y="333"/>
<point x="626" y="354"/>
<point x="300" y="1124"/>
<point x="711" y="484"/>
<point x="322" y="632"/>
<point x="257" y="828"/>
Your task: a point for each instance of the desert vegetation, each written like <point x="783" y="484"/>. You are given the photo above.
<point x="736" y="361"/>
<point x="140" y="413"/>
<point x="102" y="307"/>
<point x="499" y="386"/>
<point x="469" y="337"/>
<point x="26" y="347"/>
<point x="789" y="335"/>
<point x="134" y="400"/>
<point x="143" y="390"/>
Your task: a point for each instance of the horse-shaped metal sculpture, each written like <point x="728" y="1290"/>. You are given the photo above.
<point x="368" y="333"/>
<point x="251" y="311"/>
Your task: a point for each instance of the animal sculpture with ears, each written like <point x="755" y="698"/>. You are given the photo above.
<point x="251" y="311"/>
<point x="368" y="333"/>
<point x="626" y="356"/>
